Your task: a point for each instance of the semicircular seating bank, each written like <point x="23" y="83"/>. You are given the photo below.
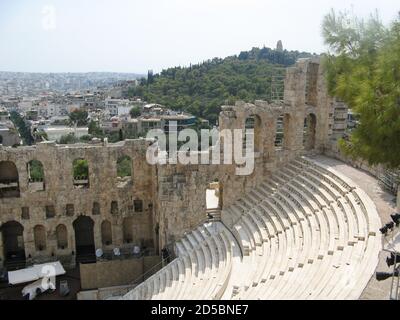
<point x="306" y="232"/>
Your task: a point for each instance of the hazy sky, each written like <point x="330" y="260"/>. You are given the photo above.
<point x="137" y="35"/>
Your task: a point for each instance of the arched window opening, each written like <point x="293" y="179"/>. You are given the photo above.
<point x="36" y="175"/>
<point x="9" y="180"/>
<point x="81" y="173"/>
<point x="124" y="171"/>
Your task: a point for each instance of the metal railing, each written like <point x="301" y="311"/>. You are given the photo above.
<point x="390" y="180"/>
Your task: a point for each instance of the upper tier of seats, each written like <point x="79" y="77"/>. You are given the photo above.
<point x="306" y="232"/>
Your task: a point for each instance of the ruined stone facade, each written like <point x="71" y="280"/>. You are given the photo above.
<point x="47" y="216"/>
<point x="183" y="207"/>
<point x="172" y="196"/>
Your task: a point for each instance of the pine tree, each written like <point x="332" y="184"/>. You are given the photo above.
<point x="363" y="70"/>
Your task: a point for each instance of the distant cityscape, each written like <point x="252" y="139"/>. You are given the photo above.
<point x="78" y="107"/>
<point x="26" y="84"/>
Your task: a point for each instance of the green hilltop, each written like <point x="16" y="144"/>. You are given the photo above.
<point x="201" y="89"/>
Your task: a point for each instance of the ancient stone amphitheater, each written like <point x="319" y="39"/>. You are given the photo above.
<point x="302" y="225"/>
<point x="307" y="232"/>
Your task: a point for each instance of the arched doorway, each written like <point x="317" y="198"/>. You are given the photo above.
<point x="84" y="239"/>
<point x="310" y="123"/>
<point x="13" y="244"/>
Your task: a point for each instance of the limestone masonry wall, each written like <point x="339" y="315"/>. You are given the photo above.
<point x="29" y="209"/>
<point x="172" y="197"/>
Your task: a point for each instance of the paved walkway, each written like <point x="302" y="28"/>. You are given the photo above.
<point x="385" y="204"/>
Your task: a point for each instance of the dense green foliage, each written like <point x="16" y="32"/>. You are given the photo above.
<point x="364" y="71"/>
<point x="39" y="136"/>
<point x="281" y="57"/>
<point x="96" y="132"/>
<point x="36" y="172"/>
<point x="203" y="88"/>
<point x="86" y="138"/>
<point x="81" y="169"/>
<point x="124" y="167"/>
<point x="80" y="117"/>
<point x="94" y="129"/>
<point x="135" y="112"/>
<point x="22" y="128"/>
<point x="68" y="139"/>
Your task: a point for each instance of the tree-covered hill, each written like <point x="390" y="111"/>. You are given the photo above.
<point x="201" y="89"/>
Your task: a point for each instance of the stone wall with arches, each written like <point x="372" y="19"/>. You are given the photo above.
<point x="181" y="189"/>
<point x="153" y="205"/>
<point x="41" y="211"/>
